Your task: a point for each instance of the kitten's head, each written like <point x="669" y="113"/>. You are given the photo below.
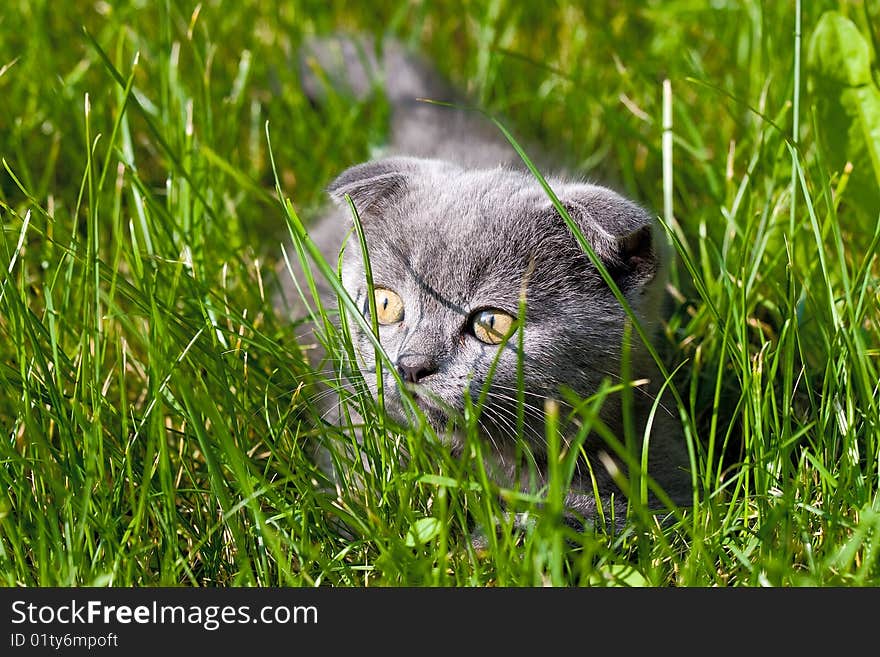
<point x="452" y="251"/>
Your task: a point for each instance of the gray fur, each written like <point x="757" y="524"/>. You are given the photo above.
<point x="456" y="226"/>
<point x="418" y="129"/>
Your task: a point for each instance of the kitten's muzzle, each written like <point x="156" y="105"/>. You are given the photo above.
<point x="415" y="367"/>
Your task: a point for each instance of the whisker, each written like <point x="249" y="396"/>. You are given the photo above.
<point x="535" y="410"/>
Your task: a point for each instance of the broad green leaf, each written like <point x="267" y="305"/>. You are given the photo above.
<point x="619" y="575"/>
<point x="422" y="531"/>
<point x="848" y="106"/>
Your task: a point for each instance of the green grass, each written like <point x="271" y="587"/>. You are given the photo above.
<point x="156" y="420"/>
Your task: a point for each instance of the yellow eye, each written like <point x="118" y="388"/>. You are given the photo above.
<point x="389" y="306"/>
<point x="492" y="326"/>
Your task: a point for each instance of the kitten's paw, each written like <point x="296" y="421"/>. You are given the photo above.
<point x="522" y="524"/>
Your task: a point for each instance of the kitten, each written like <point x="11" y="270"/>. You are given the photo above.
<point x="457" y="230"/>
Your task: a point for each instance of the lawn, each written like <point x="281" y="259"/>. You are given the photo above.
<point x="157" y="412"/>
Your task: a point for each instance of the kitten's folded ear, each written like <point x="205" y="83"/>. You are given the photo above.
<point x="620" y="231"/>
<point x="374" y="186"/>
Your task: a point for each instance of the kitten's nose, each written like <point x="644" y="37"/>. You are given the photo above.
<point x="415" y="367"/>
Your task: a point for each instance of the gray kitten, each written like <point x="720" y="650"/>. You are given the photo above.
<point x="457" y="230"/>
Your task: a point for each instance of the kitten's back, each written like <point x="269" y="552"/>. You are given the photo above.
<point x="358" y="66"/>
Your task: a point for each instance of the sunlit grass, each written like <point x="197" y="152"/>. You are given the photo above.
<point x="158" y="412"/>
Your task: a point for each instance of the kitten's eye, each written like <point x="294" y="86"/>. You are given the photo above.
<point x="389" y="306"/>
<point x="492" y="326"/>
